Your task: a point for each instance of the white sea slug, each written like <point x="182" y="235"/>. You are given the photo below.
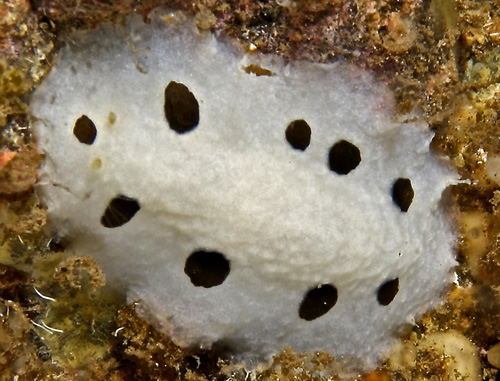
<point x="254" y="212"/>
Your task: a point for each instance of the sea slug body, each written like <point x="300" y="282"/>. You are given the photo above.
<point x="252" y="211"/>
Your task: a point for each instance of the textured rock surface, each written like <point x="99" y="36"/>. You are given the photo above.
<point x="225" y="229"/>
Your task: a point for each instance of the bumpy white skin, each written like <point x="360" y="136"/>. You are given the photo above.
<point x="282" y="218"/>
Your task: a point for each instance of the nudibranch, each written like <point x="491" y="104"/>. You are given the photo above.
<point x="246" y="202"/>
